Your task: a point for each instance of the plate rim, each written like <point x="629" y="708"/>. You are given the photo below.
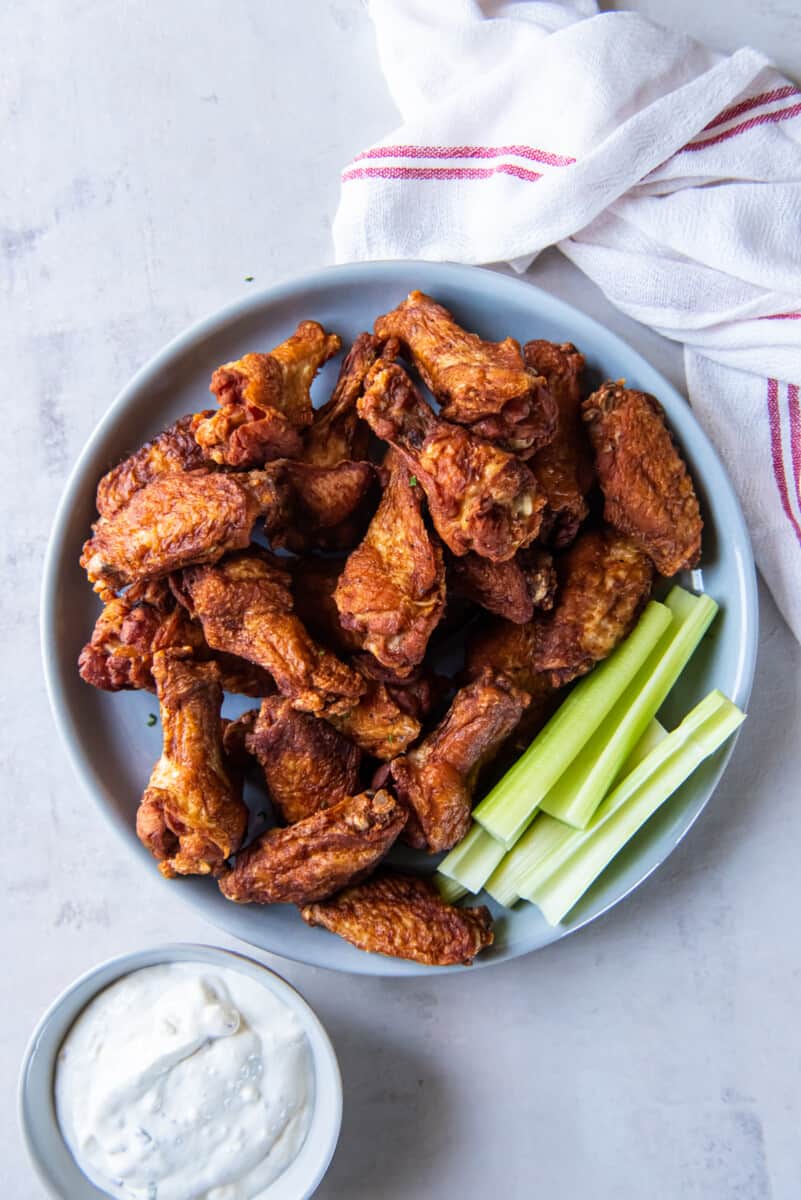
<point x="213" y="322"/>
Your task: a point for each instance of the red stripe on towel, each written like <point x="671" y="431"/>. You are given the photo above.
<point x="532" y="153"/>
<point x="771" y="118"/>
<point x="777" y="456"/>
<point x="441" y="173"/>
<point x="744" y="106"/>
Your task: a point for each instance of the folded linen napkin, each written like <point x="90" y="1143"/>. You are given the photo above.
<point x="670" y="174"/>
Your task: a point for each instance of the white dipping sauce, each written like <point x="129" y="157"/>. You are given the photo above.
<point x="185" y="1081"/>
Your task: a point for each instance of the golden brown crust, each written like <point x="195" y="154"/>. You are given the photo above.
<point x="314" y="582"/>
<point x="564" y="468"/>
<point x="337" y="433"/>
<point x="316" y="857"/>
<point x="604" y="581"/>
<point x="245" y="607"/>
<point x="378" y="723"/>
<point x="485" y="385"/>
<point x="510" y="589"/>
<point x="391" y="593"/>
<point x="181" y="518"/>
<point x="405" y="917"/>
<point x="307" y="764"/>
<point x="175" y="449"/>
<point x="316" y="502"/>
<point x="192" y="817"/>
<point x="436" y="779"/>
<point x="648" y="492"/>
<point x="265" y="399"/>
<point x="480" y="498"/>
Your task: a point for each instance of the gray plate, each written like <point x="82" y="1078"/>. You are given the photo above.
<point x="106" y="736"/>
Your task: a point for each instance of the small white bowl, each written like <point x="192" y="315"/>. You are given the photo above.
<point x="45" y="1143"/>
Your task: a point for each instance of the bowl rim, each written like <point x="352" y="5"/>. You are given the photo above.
<point x="241" y="308"/>
<point x="78" y="994"/>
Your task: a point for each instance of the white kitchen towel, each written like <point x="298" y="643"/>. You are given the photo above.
<point x="671" y="175"/>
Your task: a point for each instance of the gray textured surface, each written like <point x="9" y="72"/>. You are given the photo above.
<point x="154" y="156"/>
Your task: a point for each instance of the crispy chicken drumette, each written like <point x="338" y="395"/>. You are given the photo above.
<point x="604" y="581"/>
<point x="436" y="779"/>
<point x="648" y="493"/>
<point x="245" y="607"/>
<point x="391" y="592"/>
<point x="511" y="589"/>
<point x="480" y="498"/>
<point x="265" y="400"/>
<point x="337" y="432"/>
<point x="404" y="916"/>
<point x="563" y="468"/>
<point x="175" y="449"/>
<point x="192" y="817"/>
<point x="485" y="385"/>
<point x="314" y="858"/>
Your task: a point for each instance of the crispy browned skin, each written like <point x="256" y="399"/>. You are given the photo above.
<point x="181" y="518"/>
<point x="147" y="618"/>
<point x="173" y="450"/>
<point x="604" y="581"/>
<point x="245" y="607"/>
<point x="192" y="817"/>
<point x="317" y="856"/>
<point x="485" y="385"/>
<point x="510" y="589"/>
<point x="480" y="498"/>
<point x="404" y="916"/>
<point x="265" y="400"/>
<point x="648" y="493"/>
<point x="564" y="468"/>
<point x="314" y="582"/>
<point x="315" y="501"/>
<point x="307" y="764"/>
<point x="337" y="432"/>
<point x="391" y="592"/>
<point x="436" y="779"/>
<point x="377" y="723"/>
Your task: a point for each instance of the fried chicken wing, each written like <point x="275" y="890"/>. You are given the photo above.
<point x="563" y="468"/>
<point x="245" y="607"/>
<point x="175" y="449"/>
<point x="604" y="581"/>
<point x="485" y="385"/>
<point x="391" y="592"/>
<point x="337" y="432"/>
<point x="436" y="779"/>
<point x="511" y="589"/>
<point x="648" y="493"/>
<point x="316" y="502"/>
<point x="192" y="817"/>
<point x="377" y="723"/>
<point x="317" y="856"/>
<point x="265" y="400"/>
<point x="147" y="618"/>
<point x="480" y="498"/>
<point x="178" y="519"/>
<point x="404" y="916"/>
<point x="307" y="764"/>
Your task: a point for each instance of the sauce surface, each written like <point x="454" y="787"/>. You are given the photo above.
<point x="185" y="1081"/>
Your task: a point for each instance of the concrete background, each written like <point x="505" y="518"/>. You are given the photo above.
<point x="155" y="155"/>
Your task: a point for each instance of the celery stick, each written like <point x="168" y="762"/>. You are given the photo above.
<point x="473" y="860"/>
<point x="581" y="788"/>
<point x="612" y="828"/>
<point x="449" y="889"/>
<point x="542" y="836"/>
<point x="547" y="866"/>
<point x="508" y="808"/>
<point x="654" y="734"/>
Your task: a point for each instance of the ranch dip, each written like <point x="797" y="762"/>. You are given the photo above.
<point x="185" y="1081"/>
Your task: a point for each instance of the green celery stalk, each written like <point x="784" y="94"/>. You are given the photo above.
<point x="654" y="734"/>
<point x="545" y="837"/>
<point x="473" y="860"/>
<point x="580" y="789"/>
<point x="637" y="798"/>
<point x="449" y="889"/>
<point x="508" y="808"/>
